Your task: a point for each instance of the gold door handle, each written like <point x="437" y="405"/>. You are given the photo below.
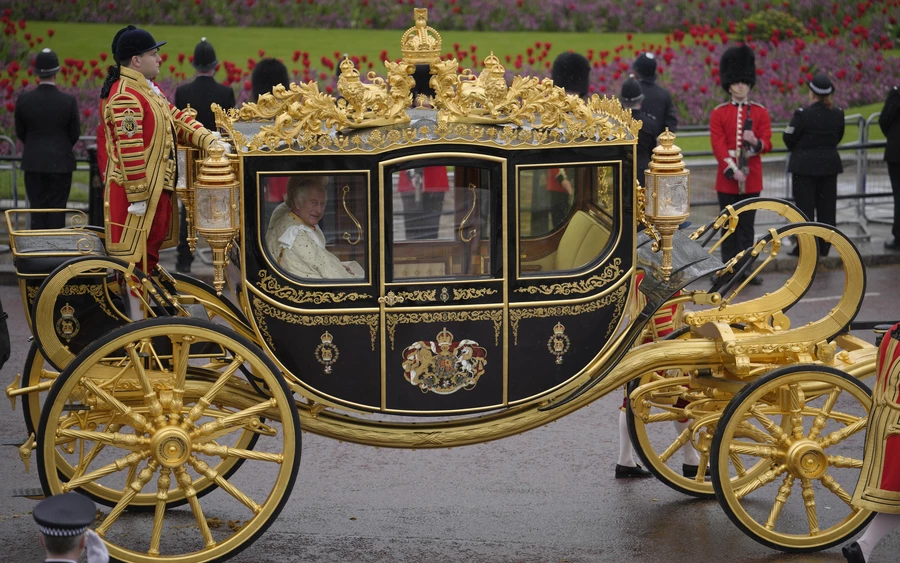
<point x="390" y="299"/>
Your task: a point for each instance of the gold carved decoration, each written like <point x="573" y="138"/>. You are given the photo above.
<point x="609" y="274"/>
<point x="473" y="232"/>
<point x="327" y="351"/>
<point x="418" y="295"/>
<point x="301" y="118"/>
<point x="67" y="326"/>
<point x="347" y="237"/>
<point x="94" y="290"/>
<point x="263" y="310"/>
<point x="270" y="285"/>
<point x="472" y="293"/>
<point x="495" y="315"/>
<point x="616" y="298"/>
<point x="445" y="366"/>
<point x="559" y="343"/>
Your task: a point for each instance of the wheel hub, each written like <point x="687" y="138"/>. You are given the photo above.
<point x="807" y="460"/>
<point x="171" y="446"/>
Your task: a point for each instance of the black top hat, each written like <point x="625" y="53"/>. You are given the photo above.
<point x="204" y="56"/>
<point x="645" y="65"/>
<point x="738" y="64"/>
<point x="134" y="41"/>
<point x="572" y="71"/>
<point x="64" y="515"/>
<point x="631" y="91"/>
<point x="266" y="75"/>
<point x="46" y="64"/>
<point x="821" y="84"/>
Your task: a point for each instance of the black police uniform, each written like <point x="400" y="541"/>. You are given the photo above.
<point x="647" y="140"/>
<point x="658" y="102"/>
<point x="812" y="136"/>
<point x="889" y="121"/>
<point x="200" y="93"/>
<point x="47" y="123"/>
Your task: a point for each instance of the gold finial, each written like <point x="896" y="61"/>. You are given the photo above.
<point x="667" y="156"/>
<point x="421" y="44"/>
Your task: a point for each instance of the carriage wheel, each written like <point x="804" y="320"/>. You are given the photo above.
<point x="807" y="424"/>
<point x="653" y="434"/>
<point x="116" y="414"/>
<point x="38" y="370"/>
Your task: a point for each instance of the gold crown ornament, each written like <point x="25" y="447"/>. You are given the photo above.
<point x="421" y="44"/>
<point x="445" y="338"/>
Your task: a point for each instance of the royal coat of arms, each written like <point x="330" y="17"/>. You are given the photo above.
<point x="444" y="366"/>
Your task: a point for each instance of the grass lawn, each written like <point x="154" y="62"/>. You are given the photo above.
<point x="86" y="40"/>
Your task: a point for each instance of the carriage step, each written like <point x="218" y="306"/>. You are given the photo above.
<point x="34" y="493"/>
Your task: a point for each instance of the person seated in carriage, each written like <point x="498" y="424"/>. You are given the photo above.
<point x="294" y="238"/>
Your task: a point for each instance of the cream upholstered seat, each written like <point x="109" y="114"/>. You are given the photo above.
<point x="583" y="241"/>
<point x="419" y="270"/>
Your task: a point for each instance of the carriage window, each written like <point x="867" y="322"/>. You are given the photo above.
<point x="441" y="222"/>
<point x="316" y="224"/>
<point x="565" y="216"/>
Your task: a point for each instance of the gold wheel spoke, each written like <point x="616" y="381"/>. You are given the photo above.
<point x="809" y="502"/>
<point x="843" y="462"/>
<point x="751" y="432"/>
<point x="204" y="469"/>
<point x="823" y="415"/>
<point x="784" y="492"/>
<point x="137" y="420"/>
<point x="159" y="512"/>
<point x="151" y="399"/>
<point x="226" y="452"/>
<point x="135" y="486"/>
<point x="125" y="441"/>
<point x="181" y="353"/>
<point x="797" y="403"/>
<point x="738" y="463"/>
<point x="835" y="487"/>
<point x="231" y="420"/>
<point x="206" y="400"/>
<point x="663" y="417"/>
<point x="118" y="465"/>
<point x="186" y="484"/>
<point x="757" y="482"/>
<point x="842" y="434"/>
<point x="774" y="430"/>
<point x="752" y="449"/>
<point x="677" y="444"/>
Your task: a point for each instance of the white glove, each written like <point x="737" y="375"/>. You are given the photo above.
<point x="138" y="208"/>
<point x="96" y="549"/>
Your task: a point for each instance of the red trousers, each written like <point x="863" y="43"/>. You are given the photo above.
<point x="118" y="214"/>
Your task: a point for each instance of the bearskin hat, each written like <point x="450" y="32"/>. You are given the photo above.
<point x="266" y="75"/>
<point x="572" y="72"/>
<point x="738" y="64"/>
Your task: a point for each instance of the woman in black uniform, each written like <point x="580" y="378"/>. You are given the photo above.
<point x="812" y="137"/>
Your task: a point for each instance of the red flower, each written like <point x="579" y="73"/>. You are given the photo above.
<point x="10" y="107"/>
<point x="103" y="56"/>
<point x="686" y="86"/>
<point x="27" y="37"/>
<point x="841" y="74"/>
<point x="261" y="53"/>
<point x="247" y="85"/>
<point x="87" y="112"/>
<point x="180" y="58"/>
<point x="50" y="32"/>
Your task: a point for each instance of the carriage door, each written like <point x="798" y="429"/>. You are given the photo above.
<point x="442" y="285"/>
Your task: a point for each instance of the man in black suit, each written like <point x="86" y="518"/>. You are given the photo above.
<point x="657" y="100"/>
<point x="201" y="93"/>
<point x="47" y="123"/>
<point x="889" y="121"/>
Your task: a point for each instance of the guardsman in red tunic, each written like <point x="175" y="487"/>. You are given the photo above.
<point x="140" y="131"/>
<point x="878" y="488"/>
<point x="733" y="126"/>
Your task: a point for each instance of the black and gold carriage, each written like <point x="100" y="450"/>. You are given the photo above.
<point x="495" y="232"/>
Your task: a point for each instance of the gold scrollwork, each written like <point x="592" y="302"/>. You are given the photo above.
<point x="616" y="298"/>
<point x="418" y="295"/>
<point x="347" y="237"/>
<point x="462" y="224"/>
<point x="263" y="310"/>
<point x="68" y="290"/>
<point x="609" y="274"/>
<point x="270" y="285"/>
<point x="472" y="293"/>
<point x="495" y="315"/>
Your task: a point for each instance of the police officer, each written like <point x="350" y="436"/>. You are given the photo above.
<point x="657" y="100"/>
<point x="200" y="94"/>
<point x="633" y="98"/>
<point x="64" y="522"/>
<point x="889" y="122"/>
<point x="47" y="123"/>
<point x="812" y="136"/>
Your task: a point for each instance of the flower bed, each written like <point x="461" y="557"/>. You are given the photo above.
<point x="495" y="15"/>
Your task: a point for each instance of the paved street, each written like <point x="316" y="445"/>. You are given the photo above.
<point x="545" y="496"/>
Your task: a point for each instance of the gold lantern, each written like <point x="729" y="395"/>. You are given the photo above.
<point x="187" y="159"/>
<point x="218" y="208"/>
<point x="667" y="196"/>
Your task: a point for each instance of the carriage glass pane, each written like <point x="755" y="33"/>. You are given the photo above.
<point x="441" y="222"/>
<point x="316" y="225"/>
<point x="565" y="216"/>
